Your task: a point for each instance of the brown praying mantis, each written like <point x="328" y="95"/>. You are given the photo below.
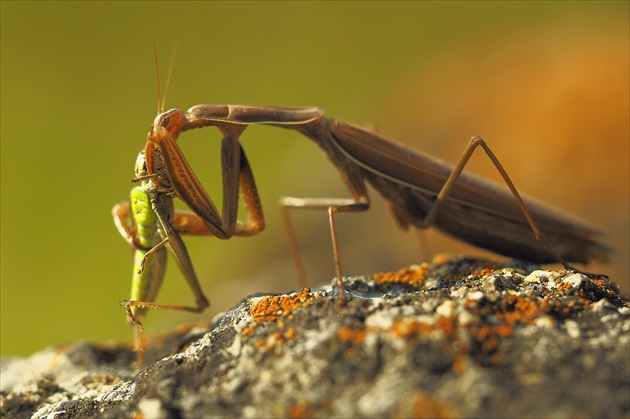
<point x="420" y="190"/>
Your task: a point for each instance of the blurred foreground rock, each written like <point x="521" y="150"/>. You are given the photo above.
<point x="459" y="338"/>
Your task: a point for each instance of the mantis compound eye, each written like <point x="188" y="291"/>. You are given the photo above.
<point x="165" y="122"/>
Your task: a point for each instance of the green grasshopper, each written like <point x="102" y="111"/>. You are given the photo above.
<point x="150" y="225"/>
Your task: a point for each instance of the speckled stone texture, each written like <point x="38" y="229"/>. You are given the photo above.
<point x="461" y="337"/>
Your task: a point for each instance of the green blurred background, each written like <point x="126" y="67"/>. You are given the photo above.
<point x="545" y="83"/>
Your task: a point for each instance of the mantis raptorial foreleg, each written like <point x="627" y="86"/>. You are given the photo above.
<point x="236" y="174"/>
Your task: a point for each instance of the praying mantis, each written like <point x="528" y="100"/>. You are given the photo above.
<point x="421" y="191"/>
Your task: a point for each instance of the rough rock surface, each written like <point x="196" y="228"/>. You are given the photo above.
<point x="458" y="338"/>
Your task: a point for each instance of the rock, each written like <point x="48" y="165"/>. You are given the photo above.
<point x="460" y="338"/>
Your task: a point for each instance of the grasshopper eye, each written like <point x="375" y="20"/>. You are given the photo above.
<point x="162" y="177"/>
<point x="141" y="164"/>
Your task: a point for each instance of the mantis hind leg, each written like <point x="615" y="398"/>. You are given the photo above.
<point x="333" y="207"/>
<point x="452" y="180"/>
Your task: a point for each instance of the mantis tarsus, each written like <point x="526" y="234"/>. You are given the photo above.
<point x="421" y="191"/>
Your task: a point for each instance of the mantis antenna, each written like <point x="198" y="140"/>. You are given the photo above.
<point x="162" y="100"/>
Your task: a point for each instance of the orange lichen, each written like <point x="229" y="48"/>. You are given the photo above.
<point x="476" y="269"/>
<point x="485" y="336"/>
<point x="586" y="294"/>
<point x="459" y="365"/>
<point x="425" y="405"/>
<point x="446" y="324"/>
<point x="290" y="333"/>
<point x="269" y="309"/>
<point x="404" y="328"/>
<point x="275" y="340"/>
<point x="508" y="313"/>
<point x="272" y="309"/>
<point x="248" y="331"/>
<point x="308" y="409"/>
<point x="484" y="272"/>
<point x="301" y="409"/>
<point x="516" y="309"/>
<point x="354" y="336"/>
<point x="272" y="341"/>
<point x="413" y="275"/>
<point x="504" y="330"/>
<point x="564" y="286"/>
